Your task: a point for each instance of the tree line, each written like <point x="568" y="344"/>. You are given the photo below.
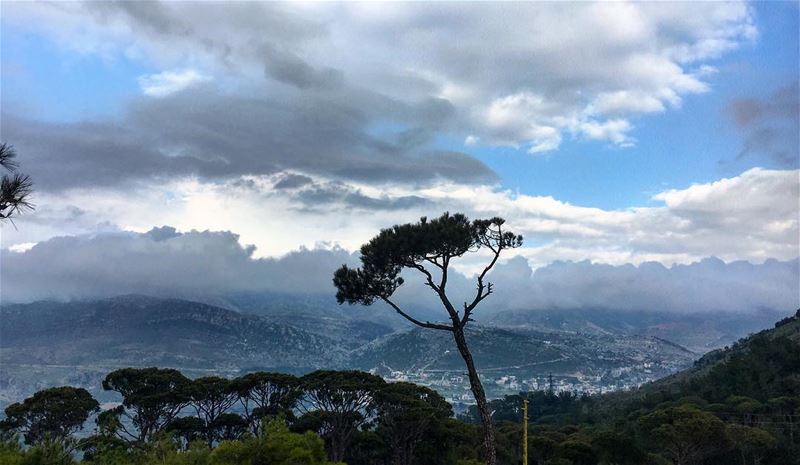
<point x="334" y="406"/>
<point x="357" y="418"/>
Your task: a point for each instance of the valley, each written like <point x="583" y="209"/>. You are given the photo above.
<point x="49" y="343"/>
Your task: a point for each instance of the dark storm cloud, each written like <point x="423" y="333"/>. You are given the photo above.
<point x="163" y="233"/>
<point x="216" y="136"/>
<point x="290" y="69"/>
<point x="770" y="126"/>
<point x="218" y="27"/>
<point x="62" y="155"/>
<point x="318" y="196"/>
<point x="153" y="16"/>
<point x="303" y="117"/>
<point x="204" y="264"/>
<point x="313" y="89"/>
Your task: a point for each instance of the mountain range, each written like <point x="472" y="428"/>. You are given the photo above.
<point x="47" y="343"/>
<point x="700" y="332"/>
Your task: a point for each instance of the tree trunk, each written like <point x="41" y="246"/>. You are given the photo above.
<point x="480" y="397"/>
<point x="402" y="453"/>
<point x="337" y="448"/>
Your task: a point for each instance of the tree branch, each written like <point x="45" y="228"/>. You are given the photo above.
<point x="434" y="261"/>
<point x="480" y="295"/>
<point x="439" y="289"/>
<point x="425" y="324"/>
<point x="445" y="266"/>
<point x="428" y="275"/>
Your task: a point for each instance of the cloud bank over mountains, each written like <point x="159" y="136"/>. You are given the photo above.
<point x="208" y="264"/>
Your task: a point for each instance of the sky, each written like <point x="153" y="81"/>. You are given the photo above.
<point x="629" y="142"/>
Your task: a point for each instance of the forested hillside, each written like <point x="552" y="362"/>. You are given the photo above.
<point x="740" y="405"/>
<point x="736" y="405"/>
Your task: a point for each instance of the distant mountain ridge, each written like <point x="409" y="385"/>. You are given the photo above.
<point x="47" y="343"/>
<point x="319" y="314"/>
<point x="519" y="351"/>
<point x="699" y="332"/>
<point x="176" y="332"/>
<point x="143" y="330"/>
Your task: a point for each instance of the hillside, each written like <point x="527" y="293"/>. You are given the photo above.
<point x="143" y="331"/>
<point x="51" y="343"/>
<point x="763" y="365"/>
<point x="350" y="326"/>
<point x="738" y="405"/>
<point x="699" y="332"/>
<point x="514" y="360"/>
<point x="499" y="347"/>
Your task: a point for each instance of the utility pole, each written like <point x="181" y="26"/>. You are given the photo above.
<point x="525" y="432"/>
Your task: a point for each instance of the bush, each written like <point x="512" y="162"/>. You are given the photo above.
<point x="276" y="446"/>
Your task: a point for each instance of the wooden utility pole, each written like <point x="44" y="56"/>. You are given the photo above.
<point x="525" y="432"/>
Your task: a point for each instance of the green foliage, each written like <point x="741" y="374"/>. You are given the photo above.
<point x="751" y="443"/>
<point x="770" y="367"/>
<point x="410" y="246"/>
<point x="563" y="407"/>
<point x="15" y="187"/>
<point x="577" y="452"/>
<point x="686" y="434"/>
<point x="47" y="451"/>
<point x="211" y="397"/>
<point x="151" y="399"/>
<point x="11" y="452"/>
<point x="54" y="412"/>
<point x="617" y="448"/>
<point x="267" y="395"/>
<point x="277" y="446"/>
<point x="406" y="413"/>
<point x="342" y="402"/>
<point x="186" y="429"/>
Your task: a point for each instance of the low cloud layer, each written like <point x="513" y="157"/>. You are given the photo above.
<point x="707" y="285"/>
<point x="160" y="262"/>
<point x="210" y="264"/>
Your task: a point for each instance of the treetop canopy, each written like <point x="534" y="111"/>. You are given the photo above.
<point x="412" y="245"/>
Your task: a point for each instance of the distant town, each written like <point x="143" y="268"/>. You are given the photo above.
<point x="454" y="385"/>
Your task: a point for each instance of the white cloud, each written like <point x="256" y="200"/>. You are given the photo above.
<point x="623" y="101"/>
<point x="511" y="71"/>
<point x="754" y="190"/>
<point x="22" y="247"/>
<point x="615" y="130"/>
<point x="169" y="82"/>
<point x="753" y="216"/>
